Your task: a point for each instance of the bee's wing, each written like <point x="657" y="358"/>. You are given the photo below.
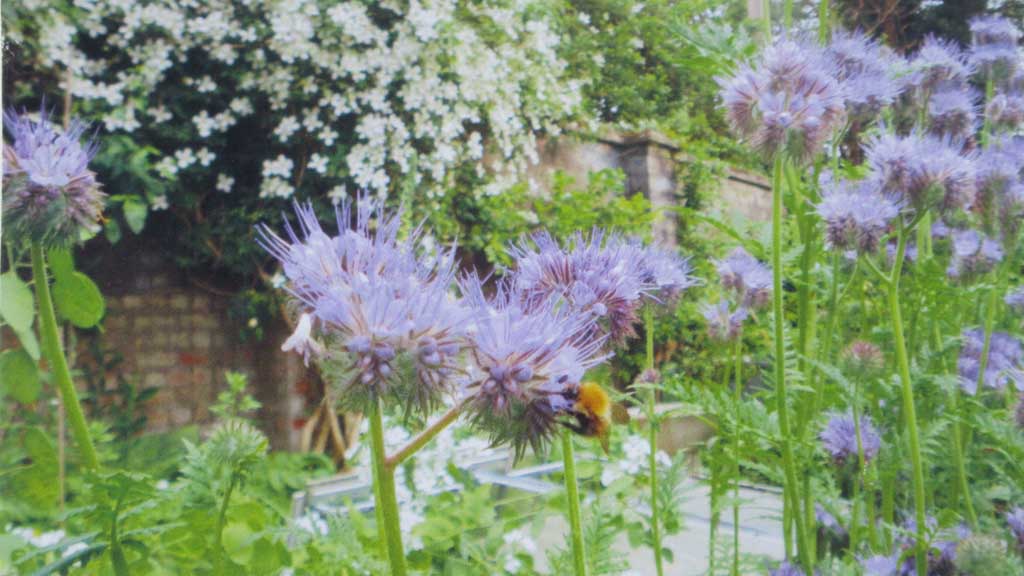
<point x="619" y="414"/>
<point x="603" y="438"/>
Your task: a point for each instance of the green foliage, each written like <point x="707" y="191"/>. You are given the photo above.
<point x="17" y="305"/>
<point x="19" y="376"/>
<point x="234" y="402"/>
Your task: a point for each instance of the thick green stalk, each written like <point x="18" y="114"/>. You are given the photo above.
<point x="986" y="127"/>
<point x="787" y="15"/>
<point x="909" y="411"/>
<point x="737" y="397"/>
<point x="780" y="365"/>
<point x="58" y="364"/>
<point x="990" y="317"/>
<point x="861" y="472"/>
<point x="766" y="20"/>
<point x="384" y="480"/>
<point x="715" y="481"/>
<point x="823" y="22"/>
<point x="961" y="467"/>
<point x="117" y="556"/>
<point x="652" y="439"/>
<point x="573" y="495"/>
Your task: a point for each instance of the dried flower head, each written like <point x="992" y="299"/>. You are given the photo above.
<point x="724" y="325"/>
<point x="863" y="358"/>
<point x="50" y="195"/>
<point x="973" y="255"/>
<point x="528" y="362"/>
<point x="387" y="315"/>
<point x="1003" y="366"/>
<point x="856" y="215"/>
<point x="791" y="101"/>
<point x="994" y="46"/>
<point x="839" y="438"/>
<point x="745" y="275"/>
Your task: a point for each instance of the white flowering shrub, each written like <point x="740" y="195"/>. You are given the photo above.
<point x="274" y="99"/>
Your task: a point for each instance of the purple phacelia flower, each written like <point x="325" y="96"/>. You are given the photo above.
<point x="994" y="46"/>
<point x="839" y="438"/>
<point x="864" y="68"/>
<point x="999" y="200"/>
<point x="724" y="325"/>
<point x="603" y="274"/>
<point x="1015" y="300"/>
<point x="664" y="271"/>
<point x="939" y="62"/>
<point x="745" y="275"/>
<point x="786" y="568"/>
<point x="527" y="364"/>
<point x="1003" y="366"/>
<point x="973" y="255"/>
<point x="856" y="215"/>
<point x="1005" y="112"/>
<point x="387" y="315"/>
<point x="880" y="565"/>
<point x="1015" y="520"/>
<point x="952" y="114"/>
<point x="941" y="555"/>
<point x="790" y="101"/>
<point x="50" y="195"/>
<point x="922" y="172"/>
<point x="827" y="521"/>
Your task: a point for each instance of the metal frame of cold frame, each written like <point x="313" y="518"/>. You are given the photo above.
<point x="494" y="466"/>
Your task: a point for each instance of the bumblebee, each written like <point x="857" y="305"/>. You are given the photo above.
<point x="593" y="413"/>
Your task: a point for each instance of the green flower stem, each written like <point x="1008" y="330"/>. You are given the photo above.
<point x="787" y="15"/>
<point x="737" y="397"/>
<point x="117" y="557"/>
<point x="766" y="20"/>
<point x="384" y="480"/>
<point x="427" y="434"/>
<point x="909" y="411"/>
<point x="986" y="127"/>
<point x="573" y="495"/>
<point x="652" y="439"/>
<point x="861" y="473"/>
<point x="960" y="461"/>
<point x="780" y="365"/>
<point x="715" y="481"/>
<point x="58" y="364"/>
<point x="823" y="22"/>
<point x="991" y="305"/>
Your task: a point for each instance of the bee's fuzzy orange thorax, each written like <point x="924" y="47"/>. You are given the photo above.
<point x="593" y="399"/>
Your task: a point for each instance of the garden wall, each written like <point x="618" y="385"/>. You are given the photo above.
<point x="175" y="333"/>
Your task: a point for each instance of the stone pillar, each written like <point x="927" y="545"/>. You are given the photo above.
<point x="648" y="159"/>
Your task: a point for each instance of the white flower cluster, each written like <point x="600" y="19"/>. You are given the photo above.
<point x="636" y="451"/>
<point x="415" y="87"/>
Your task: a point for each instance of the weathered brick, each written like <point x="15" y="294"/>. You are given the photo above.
<point x="201" y="340"/>
<point x="179" y="302"/>
<point x="132" y="301"/>
<point x="155" y="379"/>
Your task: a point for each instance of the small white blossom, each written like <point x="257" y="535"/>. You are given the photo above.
<point x="225" y="183"/>
<point x="159" y="203"/>
<point x="205" y="156"/>
<point x="280" y="166"/>
<point x="288" y="126"/>
<point x="337" y="194"/>
<point x="318" y="163"/>
<point x="185" y="158"/>
<point x="204" y="124"/>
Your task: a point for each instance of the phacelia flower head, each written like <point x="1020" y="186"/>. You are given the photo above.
<point x="1015" y="520"/>
<point x="790" y="101"/>
<point x="856" y="215"/>
<point x="922" y="172"/>
<point x="747" y="277"/>
<point x="994" y="46"/>
<point x="839" y="438"/>
<point x="50" y="195"/>
<point x="1015" y="300"/>
<point x="1003" y="366"/>
<point x="827" y="521"/>
<point x="941" y="554"/>
<point x="387" y="315"/>
<point x="667" y="274"/>
<point x="952" y="113"/>
<point x="973" y="255"/>
<point x="939" y="62"/>
<point x="787" y="569"/>
<point x="881" y="565"/>
<point x="528" y="362"/>
<point x="724" y="325"/>
<point x="1000" y="188"/>
<point x="1005" y="112"/>
<point x="599" y="274"/>
<point x="864" y="68"/>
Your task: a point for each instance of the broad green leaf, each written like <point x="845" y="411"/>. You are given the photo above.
<point x="61" y="263"/>
<point x="29" y="342"/>
<point x="79" y="300"/>
<point x="135" y="212"/>
<point x="112" y="231"/>
<point x="20" y="376"/>
<point x="17" y="306"/>
<point x="34" y="484"/>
